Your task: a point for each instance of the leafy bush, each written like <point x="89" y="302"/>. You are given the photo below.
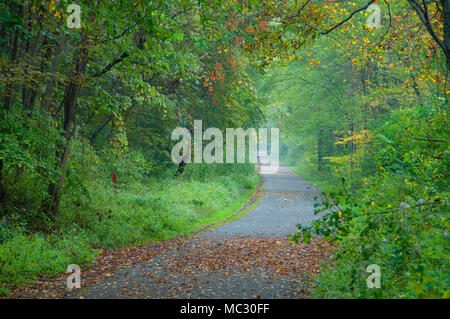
<point x="92" y="214"/>
<point x="23" y="257"/>
<point x="398" y="219"/>
<point x="27" y="148"/>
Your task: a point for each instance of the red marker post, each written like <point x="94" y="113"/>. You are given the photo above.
<point x="114" y="177"/>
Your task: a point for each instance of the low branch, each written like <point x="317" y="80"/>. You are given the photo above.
<point x="300" y="10"/>
<point x="112" y="64"/>
<point x="390" y="24"/>
<point x="347" y="19"/>
<point x="437" y="202"/>
<point x="423" y="16"/>
<point x="429" y="140"/>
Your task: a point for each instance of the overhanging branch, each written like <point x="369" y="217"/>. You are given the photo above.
<point x="111" y="65"/>
<point x="337" y="25"/>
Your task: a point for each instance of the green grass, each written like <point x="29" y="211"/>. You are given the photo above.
<point x="322" y="180"/>
<point x="148" y="209"/>
<point x="227" y="213"/>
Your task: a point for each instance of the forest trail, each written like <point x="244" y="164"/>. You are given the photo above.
<point x="250" y="257"/>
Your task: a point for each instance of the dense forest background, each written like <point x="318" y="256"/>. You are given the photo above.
<point x="87" y="114"/>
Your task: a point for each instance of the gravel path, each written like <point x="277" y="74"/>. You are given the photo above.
<point x="246" y="258"/>
<point x="287" y="201"/>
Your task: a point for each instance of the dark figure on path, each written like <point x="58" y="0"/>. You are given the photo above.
<point x="181" y="167"/>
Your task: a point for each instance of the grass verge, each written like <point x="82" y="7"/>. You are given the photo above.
<point x="143" y="211"/>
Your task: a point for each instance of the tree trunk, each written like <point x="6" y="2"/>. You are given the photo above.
<point x="52" y="81"/>
<point x="446" y="9"/>
<point x="71" y="92"/>
<point x="319" y="150"/>
<point x="2" y="191"/>
<point x="10" y="88"/>
<point x="99" y="129"/>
